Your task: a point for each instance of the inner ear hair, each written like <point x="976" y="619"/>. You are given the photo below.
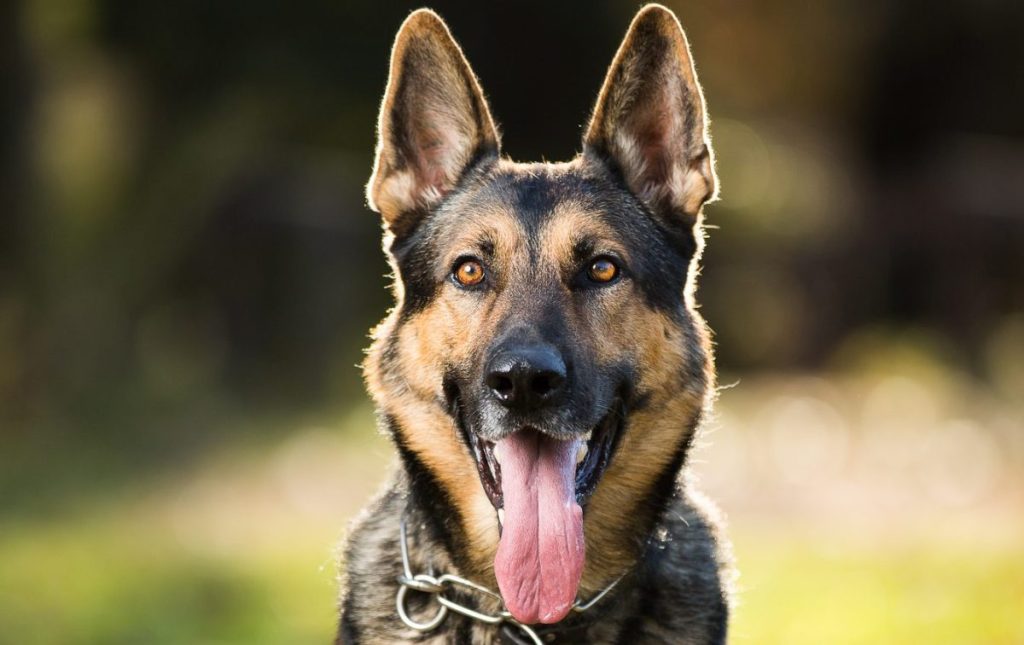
<point x="650" y="121"/>
<point x="434" y="122"/>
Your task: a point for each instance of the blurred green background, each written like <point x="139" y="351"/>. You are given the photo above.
<point x="188" y="271"/>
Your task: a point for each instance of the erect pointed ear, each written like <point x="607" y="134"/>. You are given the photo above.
<point x="649" y="122"/>
<point x="434" y="122"/>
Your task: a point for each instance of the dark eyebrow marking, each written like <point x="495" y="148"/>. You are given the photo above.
<point x="583" y="249"/>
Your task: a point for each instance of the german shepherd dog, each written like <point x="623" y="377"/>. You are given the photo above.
<point x="545" y="369"/>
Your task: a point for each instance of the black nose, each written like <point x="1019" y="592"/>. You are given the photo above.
<point x="526" y="378"/>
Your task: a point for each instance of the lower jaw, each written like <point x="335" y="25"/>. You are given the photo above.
<point x="600" y="447"/>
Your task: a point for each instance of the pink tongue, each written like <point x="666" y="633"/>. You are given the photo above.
<point x="540" y="555"/>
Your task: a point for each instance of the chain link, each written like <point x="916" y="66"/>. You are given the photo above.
<point x="437" y="586"/>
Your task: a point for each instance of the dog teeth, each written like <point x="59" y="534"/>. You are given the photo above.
<point x="581" y="454"/>
<point x="501" y="516"/>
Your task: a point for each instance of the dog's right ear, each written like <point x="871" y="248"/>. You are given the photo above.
<point x="434" y="123"/>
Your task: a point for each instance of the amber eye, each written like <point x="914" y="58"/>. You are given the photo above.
<point x="603" y="270"/>
<point x="469" y="273"/>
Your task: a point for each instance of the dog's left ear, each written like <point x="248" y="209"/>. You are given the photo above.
<point x="650" y="123"/>
<point x="434" y="122"/>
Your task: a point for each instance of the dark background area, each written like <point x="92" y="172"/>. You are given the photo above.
<point x="187" y="262"/>
<point x="185" y="179"/>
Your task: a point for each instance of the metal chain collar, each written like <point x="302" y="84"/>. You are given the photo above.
<point x="438" y="585"/>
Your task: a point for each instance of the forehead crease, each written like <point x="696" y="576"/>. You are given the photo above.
<point x="569" y="224"/>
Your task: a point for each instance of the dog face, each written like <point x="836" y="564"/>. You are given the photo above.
<point x="544" y="368"/>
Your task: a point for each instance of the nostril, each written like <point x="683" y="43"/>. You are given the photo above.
<point x="546" y="384"/>
<point x="501" y="385"/>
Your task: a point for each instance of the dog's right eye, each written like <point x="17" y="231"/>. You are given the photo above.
<point x="468" y="273"/>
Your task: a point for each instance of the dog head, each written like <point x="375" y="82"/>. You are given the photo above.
<point x="544" y="367"/>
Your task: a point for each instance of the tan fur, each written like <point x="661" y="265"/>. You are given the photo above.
<point x="570" y="223"/>
<point x="411" y="398"/>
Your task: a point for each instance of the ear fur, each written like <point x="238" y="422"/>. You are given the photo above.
<point x="650" y="122"/>
<point x="434" y="122"/>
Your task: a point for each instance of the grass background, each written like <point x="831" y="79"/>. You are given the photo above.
<point x="851" y="547"/>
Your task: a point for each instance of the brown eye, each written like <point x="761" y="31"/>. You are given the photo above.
<point x="603" y="270"/>
<point x="469" y="273"/>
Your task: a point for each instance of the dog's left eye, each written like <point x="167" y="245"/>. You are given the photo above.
<point x="603" y="270"/>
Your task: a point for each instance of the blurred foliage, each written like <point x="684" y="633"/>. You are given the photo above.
<point x="188" y="271"/>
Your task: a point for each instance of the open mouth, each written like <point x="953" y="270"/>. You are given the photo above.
<point x="593" y="456"/>
<point x="538" y="486"/>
